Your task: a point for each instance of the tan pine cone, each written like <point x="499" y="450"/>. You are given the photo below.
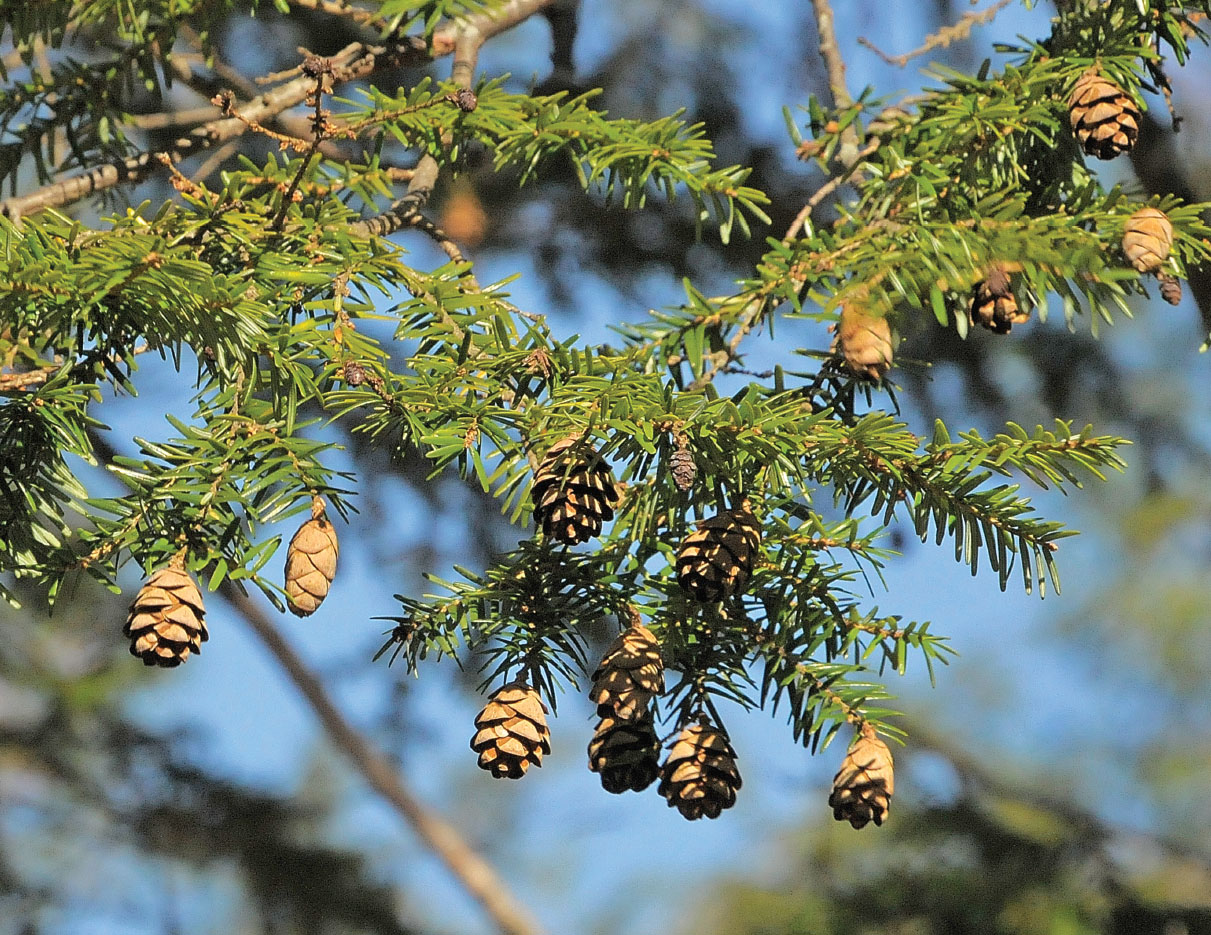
<point x="716" y="560"/>
<point x="631" y="674"/>
<point x="1147" y="239"/>
<point x="165" y="623"/>
<point x="994" y="305"/>
<point x="1171" y="288"/>
<point x="699" y="776"/>
<point x="311" y="562"/>
<point x="863" y="786"/>
<point x="1103" y="116"/>
<point x="573" y="491"/>
<point x="625" y="753"/>
<point x="683" y="468"/>
<point x="864" y="342"/>
<point x="511" y="733"/>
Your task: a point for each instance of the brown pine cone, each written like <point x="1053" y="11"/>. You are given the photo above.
<point x="165" y="623"/>
<point x="1147" y="239"/>
<point x="994" y="305"/>
<point x="311" y="562"/>
<point x="1171" y="288"/>
<point x="699" y="776"/>
<point x="863" y="786"/>
<point x="573" y="491"/>
<point x="511" y="731"/>
<point x="625" y="753"/>
<point x="1103" y="116"/>
<point x="683" y="468"/>
<point x="864" y="342"/>
<point x="716" y="560"/>
<point x="631" y="674"/>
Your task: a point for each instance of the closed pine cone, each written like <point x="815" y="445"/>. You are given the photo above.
<point x="1147" y="239"/>
<point x="683" y="468"/>
<point x="994" y="305"/>
<point x="311" y="563"/>
<point x="511" y="731"/>
<point x="1171" y="288"/>
<point x="863" y="786"/>
<point x="699" y="776"/>
<point x="716" y="560"/>
<point x="631" y="674"/>
<point x="573" y="491"/>
<point x="864" y="341"/>
<point x="1103" y="116"/>
<point x="625" y="753"/>
<point x="165" y="623"/>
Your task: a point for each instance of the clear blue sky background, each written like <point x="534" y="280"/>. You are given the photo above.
<point x="587" y="861"/>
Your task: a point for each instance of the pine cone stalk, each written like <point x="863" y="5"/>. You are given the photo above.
<point x="166" y="620"/>
<point x="311" y="562"/>
<point x="863" y="786"/>
<point x="699" y="777"/>
<point x="511" y="733"/>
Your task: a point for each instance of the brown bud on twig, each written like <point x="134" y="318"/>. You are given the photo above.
<point x="465" y="100"/>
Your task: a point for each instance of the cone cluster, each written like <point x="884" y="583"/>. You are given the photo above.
<point x="864" y="342"/>
<point x="699" y="776"/>
<point x="511" y="733"/>
<point x="716" y="560"/>
<point x="311" y="562"/>
<point x="683" y="468"/>
<point x="573" y="492"/>
<point x="1103" y="116"/>
<point x="864" y="784"/>
<point x="165" y="624"/>
<point x="994" y="305"/>
<point x="626" y="754"/>
<point x="1147" y="239"/>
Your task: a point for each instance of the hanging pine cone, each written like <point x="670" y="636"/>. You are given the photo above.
<point x="699" y="776"/>
<point x="683" y="468"/>
<point x="864" y="341"/>
<point x="994" y="305"/>
<point x="631" y="674"/>
<point x="1147" y="239"/>
<point x="311" y="562"/>
<point x="1171" y="288"/>
<point x="165" y="623"/>
<point x="1103" y="116"/>
<point x="511" y="731"/>
<point x="625" y="753"/>
<point x="864" y="784"/>
<point x="716" y="560"/>
<point x="573" y="491"/>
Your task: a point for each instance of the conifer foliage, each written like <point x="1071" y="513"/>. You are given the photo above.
<point x="727" y="521"/>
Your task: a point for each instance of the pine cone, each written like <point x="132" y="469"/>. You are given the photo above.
<point x="311" y="562"/>
<point x="631" y="674"/>
<point x="864" y="784"/>
<point x="573" y="492"/>
<point x="511" y="731"/>
<point x="994" y="305"/>
<point x="864" y="341"/>
<point x="716" y="560"/>
<point x="625" y="753"/>
<point x="699" y="776"/>
<point x="165" y="623"/>
<point x="683" y="468"/>
<point x="1171" y="288"/>
<point x="1147" y="239"/>
<point x="1103" y="116"/>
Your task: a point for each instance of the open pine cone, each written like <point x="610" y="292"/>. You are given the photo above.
<point x="511" y="733"/>
<point x="1103" y="116"/>
<point x="626" y="754"/>
<point x="716" y="560"/>
<point x="994" y="305"/>
<point x="631" y="674"/>
<point x="573" y="491"/>
<point x="699" y="776"/>
<point x="863" y="786"/>
<point x="166" y="620"/>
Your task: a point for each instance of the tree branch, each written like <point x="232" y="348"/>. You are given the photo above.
<point x="943" y="37"/>
<point x="475" y="874"/>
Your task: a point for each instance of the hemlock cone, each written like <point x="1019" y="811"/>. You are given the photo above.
<point x="863" y="786"/>
<point x="683" y="468"/>
<point x="1147" y="239"/>
<point x="311" y="563"/>
<point x="573" y="492"/>
<point x="165" y="624"/>
<point x="699" y="776"/>
<point x="716" y="560"/>
<point x="994" y="305"/>
<point x="1103" y="116"/>
<point x="864" y="341"/>
<point x="630" y="675"/>
<point x="511" y="733"/>
<point x="626" y="754"/>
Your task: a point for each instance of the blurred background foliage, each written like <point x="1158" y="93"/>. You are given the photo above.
<point x="1056" y="782"/>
